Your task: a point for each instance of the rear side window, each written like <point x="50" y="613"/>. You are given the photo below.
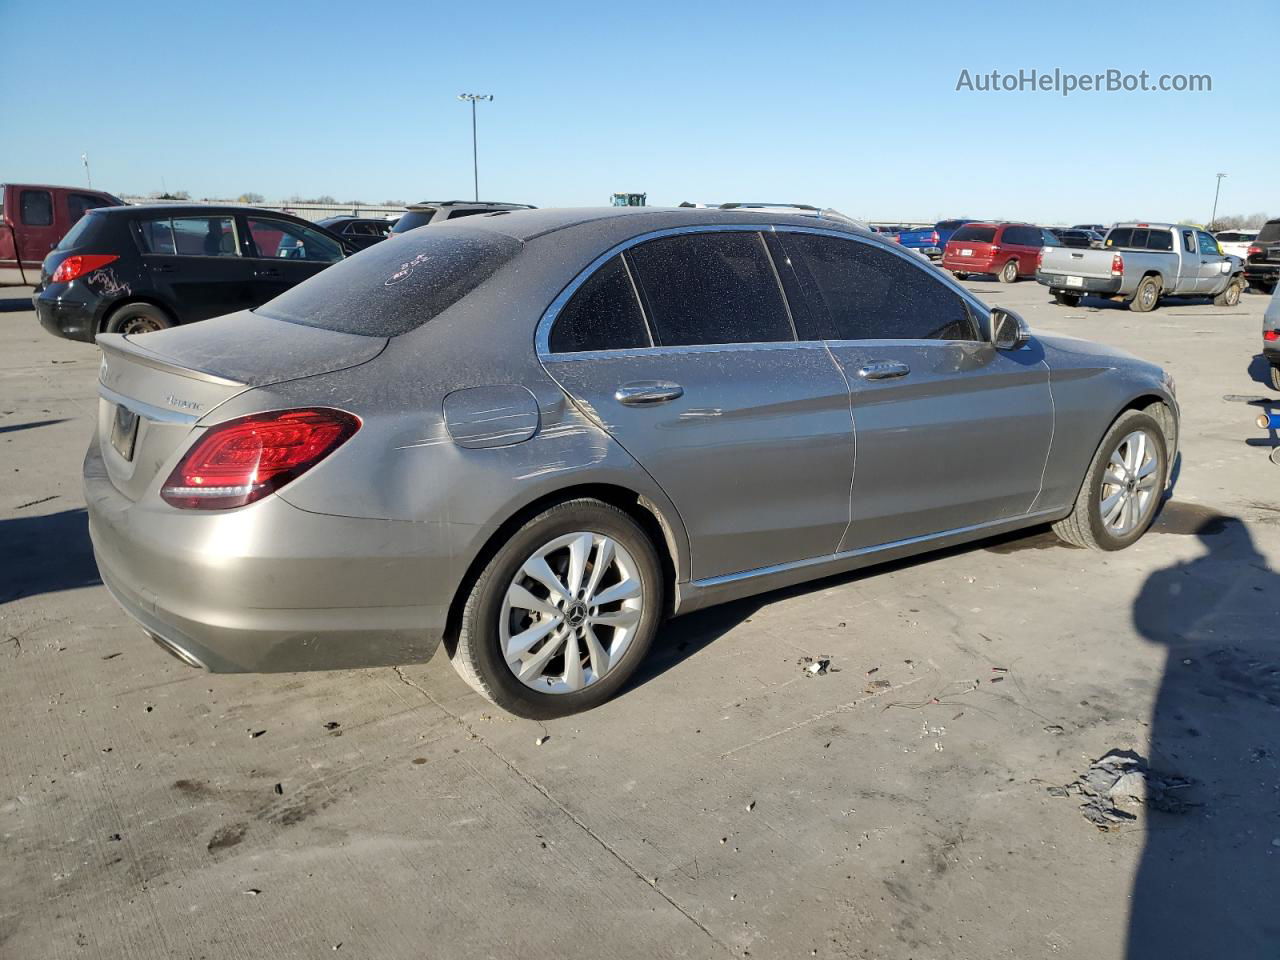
<point x="78" y="204"/>
<point x="858" y="292"/>
<point x="711" y="288"/>
<point x="455" y="214"/>
<point x="413" y="219"/>
<point x="603" y="314"/>
<point x="392" y="288"/>
<point x="1270" y="232"/>
<point x="1189" y="241"/>
<point x="84" y="226"/>
<point x="37" y="208"/>
<point x="975" y="233"/>
<point x="190" y="236"/>
<point x="1161" y="240"/>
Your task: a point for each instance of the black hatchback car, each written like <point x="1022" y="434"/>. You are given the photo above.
<point x="142" y="268"/>
<point x="360" y="232"/>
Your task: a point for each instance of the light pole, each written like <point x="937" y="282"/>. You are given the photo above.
<point x="1214" y="219"/>
<point x="475" y="163"/>
<point x="84" y="158"/>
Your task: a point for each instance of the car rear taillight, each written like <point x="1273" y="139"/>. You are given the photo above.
<point x="243" y="460"/>
<point x="1039" y="258"/>
<point x="1271" y="335"/>
<point x="80" y="264"/>
<point x="1254" y="250"/>
<point x="933" y="238"/>
<point x="1117" y="265"/>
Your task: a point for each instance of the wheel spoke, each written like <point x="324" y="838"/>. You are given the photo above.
<point x="1113" y="477"/>
<point x="573" y="663"/>
<point x="603" y="558"/>
<point x="1147" y="468"/>
<point x="1111" y="505"/>
<point x="579" y="550"/>
<point x="620" y="619"/>
<point x="522" y="599"/>
<point x="536" y="568"/>
<point x="599" y="656"/>
<point x="1118" y="461"/>
<point x="623" y="590"/>
<point x="531" y="669"/>
<point x="522" y="643"/>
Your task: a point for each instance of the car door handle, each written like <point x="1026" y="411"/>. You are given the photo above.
<point x="884" y="370"/>
<point x="641" y="392"/>
<point x="164" y="268"/>
<point x="267" y="272"/>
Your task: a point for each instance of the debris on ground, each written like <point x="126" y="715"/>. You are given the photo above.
<point x="816" y="666"/>
<point x="1122" y="778"/>
<point x="332" y="725"/>
<point x="253" y="734"/>
<point x="542" y="739"/>
<point x="279" y="789"/>
<point x="877" y="685"/>
<point x="751" y="806"/>
<point x="1056" y="729"/>
<point x="252" y="892"/>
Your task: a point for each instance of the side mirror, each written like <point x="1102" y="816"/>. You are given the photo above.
<point x="1008" y="330"/>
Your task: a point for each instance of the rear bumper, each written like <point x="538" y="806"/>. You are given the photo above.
<point x="969" y="264"/>
<point x="71" y="319"/>
<point x="1271" y="352"/>
<point x="278" y="589"/>
<point x="1058" y="281"/>
<point x="1270" y="272"/>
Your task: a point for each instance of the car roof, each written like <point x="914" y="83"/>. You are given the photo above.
<point x="496" y="204"/>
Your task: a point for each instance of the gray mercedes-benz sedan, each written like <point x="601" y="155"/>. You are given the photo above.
<point x="533" y="435"/>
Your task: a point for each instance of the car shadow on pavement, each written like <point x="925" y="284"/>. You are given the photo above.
<point x="1210" y="868"/>
<point x="1260" y="371"/>
<point x="15" y="427"/>
<point x="45" y="554"/>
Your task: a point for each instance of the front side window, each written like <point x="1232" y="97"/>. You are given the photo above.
<point x="1208" y="245"/>
<point x="37" y="208"/>
<point x="603" y="314"/>
<point x="858" y="292"/>
<point x="706" y="288"/>
<point x="291" y="241"/>
<point x="78" y="204"/>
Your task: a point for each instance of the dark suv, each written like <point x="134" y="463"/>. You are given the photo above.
<point x="1262" y="263"/>
<point x="143" y="268"/>
<point x="360" y="232"/>
<point x="437" y="211"/>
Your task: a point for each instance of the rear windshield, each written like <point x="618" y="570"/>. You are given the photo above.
<point x="412" y="219"/>
<point x="950" y="224"/>
<point x="1270" y="231"/>
<point x="1140" y="238"/>
<point x="391" y="288"/>
<point x="976" y="233"/>
<point x="82" y="228"/>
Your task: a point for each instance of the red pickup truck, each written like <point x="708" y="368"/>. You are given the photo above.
<point x="33" y="218"/>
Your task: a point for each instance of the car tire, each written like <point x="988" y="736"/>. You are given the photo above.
<point x="1147" y="297"/>
<point x="1009" y="272"/>
<point x="506" y="591"/>
<point x="136" y="318"/>
<point x="1092" y="523"/>
<point x="1275" y="378"/>
<point x="1066" y="299"/>
<point x="1230" y="296"/>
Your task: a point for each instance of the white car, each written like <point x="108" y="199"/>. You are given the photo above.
<point x="1235" y="243"/>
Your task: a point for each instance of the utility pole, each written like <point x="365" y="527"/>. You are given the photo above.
<point x="475" y="162"/>
<point x="84" y="158"/>
<point x="1213" y="219"/>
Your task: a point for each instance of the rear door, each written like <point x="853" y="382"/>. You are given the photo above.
<point x="683" y="349"/>
<point x="195" y="264"/>
<point x="37" y="229"/>
<point x="284" y="254"/>
<point x="949" y="432"/>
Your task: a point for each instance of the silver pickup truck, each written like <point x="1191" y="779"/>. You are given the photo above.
<point x="1142" y="262"/>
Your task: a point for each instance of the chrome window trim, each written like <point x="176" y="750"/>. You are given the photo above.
<point x="145" y="410"/>
<point x="542" y="335"/>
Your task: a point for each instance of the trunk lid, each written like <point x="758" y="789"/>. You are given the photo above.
<point x="1077" y="262"/>
<point x="154" y="388"/>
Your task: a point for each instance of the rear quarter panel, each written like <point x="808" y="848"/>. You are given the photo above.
<point x="1091" y="386"/>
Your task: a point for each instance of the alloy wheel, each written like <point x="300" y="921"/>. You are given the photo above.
<point x="570" y="612"/>
<point x="1129" y="486"/>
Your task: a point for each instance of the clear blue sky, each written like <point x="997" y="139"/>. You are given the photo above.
<point x="848" y="104"/>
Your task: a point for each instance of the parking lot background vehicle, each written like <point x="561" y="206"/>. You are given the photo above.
<point x="33" y="219"/>
<point x="644" y="369"/>
<point x="924" y="240"/>
<point x="1008" y="250"/>
<point x="360" y="232"/>
<point x="1236" y="242"/>
<point x="1078" y="238"/>
<point x="439" y="211"/>
<point x="1262" y="266"/>
<point x="1143" y="262"/>
<point x="139" y="268"/>
<point x="1271" y="338"/>
<point x="946" y="228"/>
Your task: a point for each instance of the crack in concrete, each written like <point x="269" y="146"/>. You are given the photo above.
<point x="574" y="818"/>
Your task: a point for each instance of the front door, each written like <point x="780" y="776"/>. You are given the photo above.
<point x="683" y="350"/>
<point x="949" y="431"/>
<point x="1209" y="272"/>
<point x="286" y="253"/>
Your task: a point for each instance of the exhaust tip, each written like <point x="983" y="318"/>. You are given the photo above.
<point x="175" y="651"/>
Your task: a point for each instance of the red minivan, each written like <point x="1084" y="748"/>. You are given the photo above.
<point x="1008" y="250"/>
<point x="33" y="218"/>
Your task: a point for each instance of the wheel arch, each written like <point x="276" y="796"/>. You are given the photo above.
<point x="110" y="309"/>
<point x="649" y="515"/>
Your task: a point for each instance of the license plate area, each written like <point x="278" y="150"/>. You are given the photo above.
<point x="1075" y="281"/>
<point x="966" y="252"/>
<point x="124" y="431"/>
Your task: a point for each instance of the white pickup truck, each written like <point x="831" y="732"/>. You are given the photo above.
<point x="1142" y="262"/>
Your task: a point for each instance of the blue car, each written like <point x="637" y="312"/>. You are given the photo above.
<point x="943" y="230"/>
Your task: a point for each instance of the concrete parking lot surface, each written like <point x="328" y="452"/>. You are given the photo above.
<point x="907" y="803"/>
